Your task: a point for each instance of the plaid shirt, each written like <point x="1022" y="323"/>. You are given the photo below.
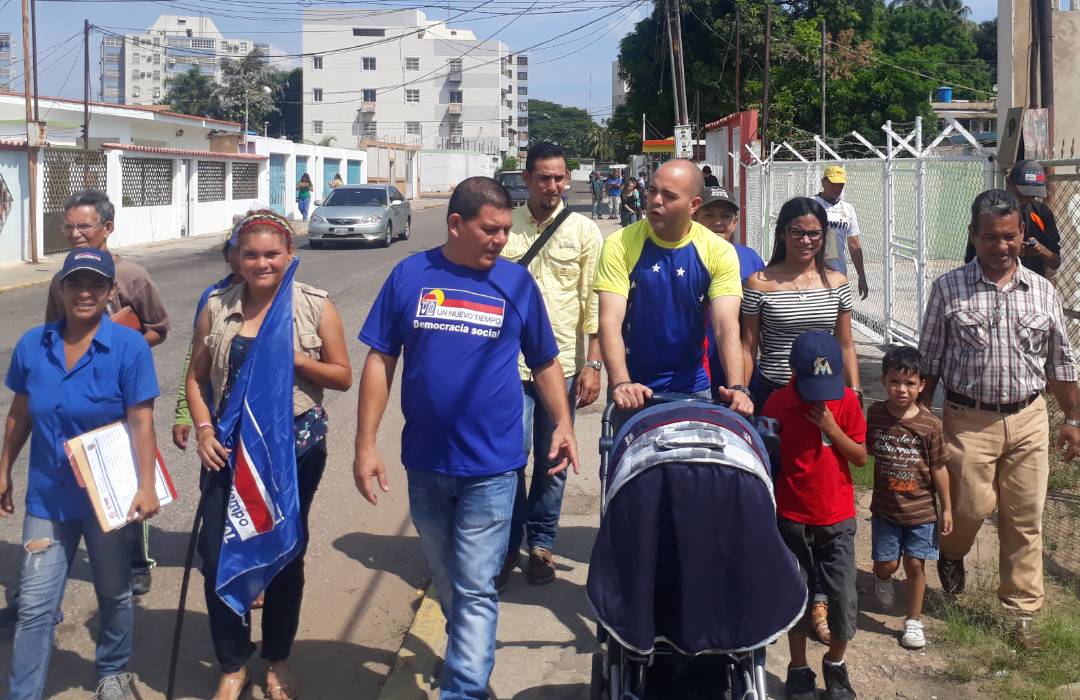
<point x="995" y="345"/>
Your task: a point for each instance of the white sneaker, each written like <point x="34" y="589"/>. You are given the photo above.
<point x="913" y="635"/>
<point x="884" y="592"/>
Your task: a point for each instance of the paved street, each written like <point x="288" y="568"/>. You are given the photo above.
<point x="364" y="567"/>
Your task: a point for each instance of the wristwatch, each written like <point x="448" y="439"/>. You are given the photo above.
<point x="741" y="389"/>
<point x="1072" y="422"/>
<point x="595" y="364"/>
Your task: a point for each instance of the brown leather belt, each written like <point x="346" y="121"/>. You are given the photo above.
<point x="968" y="402"/>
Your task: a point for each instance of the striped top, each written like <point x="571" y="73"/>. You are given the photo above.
<point x="784" y="315"/>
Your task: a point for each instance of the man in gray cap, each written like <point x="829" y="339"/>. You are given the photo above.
<point x="1041" y="251"/>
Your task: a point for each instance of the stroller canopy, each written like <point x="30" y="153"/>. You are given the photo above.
<point x="688" y="552"/>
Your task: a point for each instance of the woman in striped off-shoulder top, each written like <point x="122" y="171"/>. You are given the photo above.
<point x="795" y="293"/>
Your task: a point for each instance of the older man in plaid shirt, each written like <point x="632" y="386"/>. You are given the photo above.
<point x="994" y="335"/>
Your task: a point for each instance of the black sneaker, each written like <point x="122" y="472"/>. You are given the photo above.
<point x="951" y="573"/>
<point x="801" y="684"/>
<point x="508" y="568"/>
<point x="837" y="685"/>
<point x="140" y="583"/>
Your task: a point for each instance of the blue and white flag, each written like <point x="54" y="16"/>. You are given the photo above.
<point x="262" y="528"/>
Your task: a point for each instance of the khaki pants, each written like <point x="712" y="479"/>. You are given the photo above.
<point x="1000" y="461"/>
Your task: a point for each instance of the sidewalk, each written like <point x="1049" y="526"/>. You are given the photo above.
<point x="21" y="274"/>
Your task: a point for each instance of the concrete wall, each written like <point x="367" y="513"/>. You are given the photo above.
<point x="13" y="170"/>
<point x="441" y="171"/>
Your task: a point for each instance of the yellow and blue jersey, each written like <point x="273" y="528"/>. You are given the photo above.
<point x="668" y="287"/>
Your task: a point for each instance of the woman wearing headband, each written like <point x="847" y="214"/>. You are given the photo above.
<point x="225" y="333"/>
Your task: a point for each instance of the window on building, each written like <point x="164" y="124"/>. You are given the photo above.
<point x="523" y="121"/>
<point x="136" y="92"/>
<point x="157" y="59"/>
<point x="412" y="128"/>
<point x="157" y="75"/>
<point x="368" y="95"/>
<point x="523" y="60"/>
<point x="412" y="63"/>
<point x="202" y="43"/>
<point x="522" y="91"/>
<point x="316" y="95"/>
<point x="523" y="76"/>
<point x="316" y="127"/>
<point x="157" y="93"/>
<point x="366" y="31"/>
<point x="412" y="96"/>
<point x="455" y="131"/>
<point x="523" y="106"/>
<point x="368" y="62"/>
<point x="455" y="64"/>
<point x="503" y="130"/>
<point x="316" y="63"/>
<point x="370" y="129"/>
<point x="457" y="97"/>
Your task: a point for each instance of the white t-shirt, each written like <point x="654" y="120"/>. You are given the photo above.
<point x="843" y="223"/>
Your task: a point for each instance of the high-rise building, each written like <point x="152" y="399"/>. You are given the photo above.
<point x="6" y="47"/>
<point x="618" y="86"/>
<point x="136" y="67"/>
<point x="400" y="77"/>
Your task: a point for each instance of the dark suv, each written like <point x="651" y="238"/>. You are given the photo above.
<point x="515" y="185"/>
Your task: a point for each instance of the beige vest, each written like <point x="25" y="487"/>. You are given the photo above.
<point x="225" y="307"/>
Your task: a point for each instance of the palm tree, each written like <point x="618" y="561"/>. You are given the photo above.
<point x="956" y="8"/>
<point x="601" y="143"/>
<point x="191" y="93"/>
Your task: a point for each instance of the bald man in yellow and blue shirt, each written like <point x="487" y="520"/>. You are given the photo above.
<point x="656" y="281"/>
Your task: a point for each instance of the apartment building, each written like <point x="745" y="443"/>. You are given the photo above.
<point x="136" y="67"/>
<point x="6" y="47"/>
<point x="400" y="77"/>
<point x="619" y="87"/>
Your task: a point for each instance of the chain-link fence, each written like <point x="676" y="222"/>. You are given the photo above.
<point x="1061" y="521"/>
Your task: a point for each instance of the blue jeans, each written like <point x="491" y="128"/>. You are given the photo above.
<point x="303" y="203"/>
<point x="464" y="523"/>
<point x="598" y="206"/>
<point x="44" y="577"/>
<point x="537" y="513"/>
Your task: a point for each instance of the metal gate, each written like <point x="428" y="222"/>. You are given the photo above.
<point x="331" y="167"/>
<point x="65" y="172"/>
<point x="352" y="174"/>
<point x="277" y="183"/>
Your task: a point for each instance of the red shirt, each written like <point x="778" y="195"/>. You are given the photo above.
<point x="814" y="484"/>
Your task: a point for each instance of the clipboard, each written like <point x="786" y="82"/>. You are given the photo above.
<point x="105" y="465"/>
<point x="126" y="316"/>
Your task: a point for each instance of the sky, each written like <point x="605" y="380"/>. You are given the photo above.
<point x="572" y="70"/>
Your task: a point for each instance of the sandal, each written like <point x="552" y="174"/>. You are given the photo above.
<point x="286" y="687"/>
<point x="819" y="617"/>
<point x="232" y="687"/>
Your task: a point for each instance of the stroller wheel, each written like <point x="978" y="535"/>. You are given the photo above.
<point x="598" y="688"/>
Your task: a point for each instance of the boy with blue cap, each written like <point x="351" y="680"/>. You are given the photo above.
<point x="822" y="429"/>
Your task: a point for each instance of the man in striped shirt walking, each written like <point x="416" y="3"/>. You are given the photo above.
<point x="994" y="335"/>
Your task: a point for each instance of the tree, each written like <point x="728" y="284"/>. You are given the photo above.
<point x="565" y="126"/>
<point x="601" y="142"/>
<point x="241" y="89"/>
<point x="193" y="93"/>
<point x="956" y="8"/>
<point x="509" y="163"/>
<point x="573" y="164"/>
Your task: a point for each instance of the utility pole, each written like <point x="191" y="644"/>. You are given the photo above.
<point x="32" y="129"/>
<point x="683" y="143"/>
<point x="765" y="95"/>
<point x="33" y="34"/>
<point x="823" y="40"/>
<point x="738" y="57"/>
<point x="86" y="85"/>
<point x="1046" y="64"/>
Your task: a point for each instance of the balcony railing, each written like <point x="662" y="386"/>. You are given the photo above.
<point x="453" y="108"/>
<point x="367" y="107"/>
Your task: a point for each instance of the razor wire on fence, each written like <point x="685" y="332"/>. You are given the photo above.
<point x="913" y="216"/>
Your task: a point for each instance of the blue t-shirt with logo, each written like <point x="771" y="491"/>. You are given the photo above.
<point x="461" y="330"/>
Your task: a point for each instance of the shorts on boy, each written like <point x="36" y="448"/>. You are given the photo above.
<point x="826" y="555"/>
<point x="890" y="540"/>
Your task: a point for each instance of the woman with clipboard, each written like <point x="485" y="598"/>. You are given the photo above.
<point x="71" y="377"/>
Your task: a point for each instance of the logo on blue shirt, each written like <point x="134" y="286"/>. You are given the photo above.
<point x="460" y="311"/>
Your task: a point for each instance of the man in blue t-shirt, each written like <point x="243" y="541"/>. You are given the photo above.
<point x="614" y="192"/>
<point x="462" y="315"/>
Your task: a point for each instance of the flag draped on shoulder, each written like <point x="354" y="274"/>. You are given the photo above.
<point x="262" y="527"/>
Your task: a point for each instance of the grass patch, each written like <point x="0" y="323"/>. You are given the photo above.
<point x="863" y="477"/>
<point x="985" y="649"/>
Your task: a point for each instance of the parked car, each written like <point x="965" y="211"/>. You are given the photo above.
<point x="368" y="213"/>
<point x="515" y="185"/>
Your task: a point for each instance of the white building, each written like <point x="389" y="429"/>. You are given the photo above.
<point x="399" y="77"/>
<point x="6" y="47"/>
<point x="135" y="67"/>
<point x="618" y="86"/>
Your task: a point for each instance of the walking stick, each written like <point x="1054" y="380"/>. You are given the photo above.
<point x="178" y="629"/>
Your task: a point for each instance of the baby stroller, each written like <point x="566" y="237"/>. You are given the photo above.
<point x="688" y="561"/>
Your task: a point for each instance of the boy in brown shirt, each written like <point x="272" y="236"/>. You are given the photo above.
<point x="909" y="467"/>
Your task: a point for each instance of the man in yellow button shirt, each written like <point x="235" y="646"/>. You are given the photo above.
<point x="656" y="281"/>
<point x="564" y="269"/>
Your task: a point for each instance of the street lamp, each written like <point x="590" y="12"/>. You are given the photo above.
<point x="266" y="90"/>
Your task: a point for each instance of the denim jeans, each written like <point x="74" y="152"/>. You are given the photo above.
<point x="44" y="577"/>
<point x="615" y="202"/>
<point x="536" y="513"/>
<point x="463" y="523"/>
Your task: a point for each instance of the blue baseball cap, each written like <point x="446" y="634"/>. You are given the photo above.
<point x="99" y="261"/>
<point x="818" y="364"/>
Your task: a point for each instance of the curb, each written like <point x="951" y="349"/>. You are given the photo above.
<point x="28" y="283"/>
<point x="412" y="676"/>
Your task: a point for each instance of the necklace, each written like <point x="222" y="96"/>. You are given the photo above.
<point x="801" y="290"/>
